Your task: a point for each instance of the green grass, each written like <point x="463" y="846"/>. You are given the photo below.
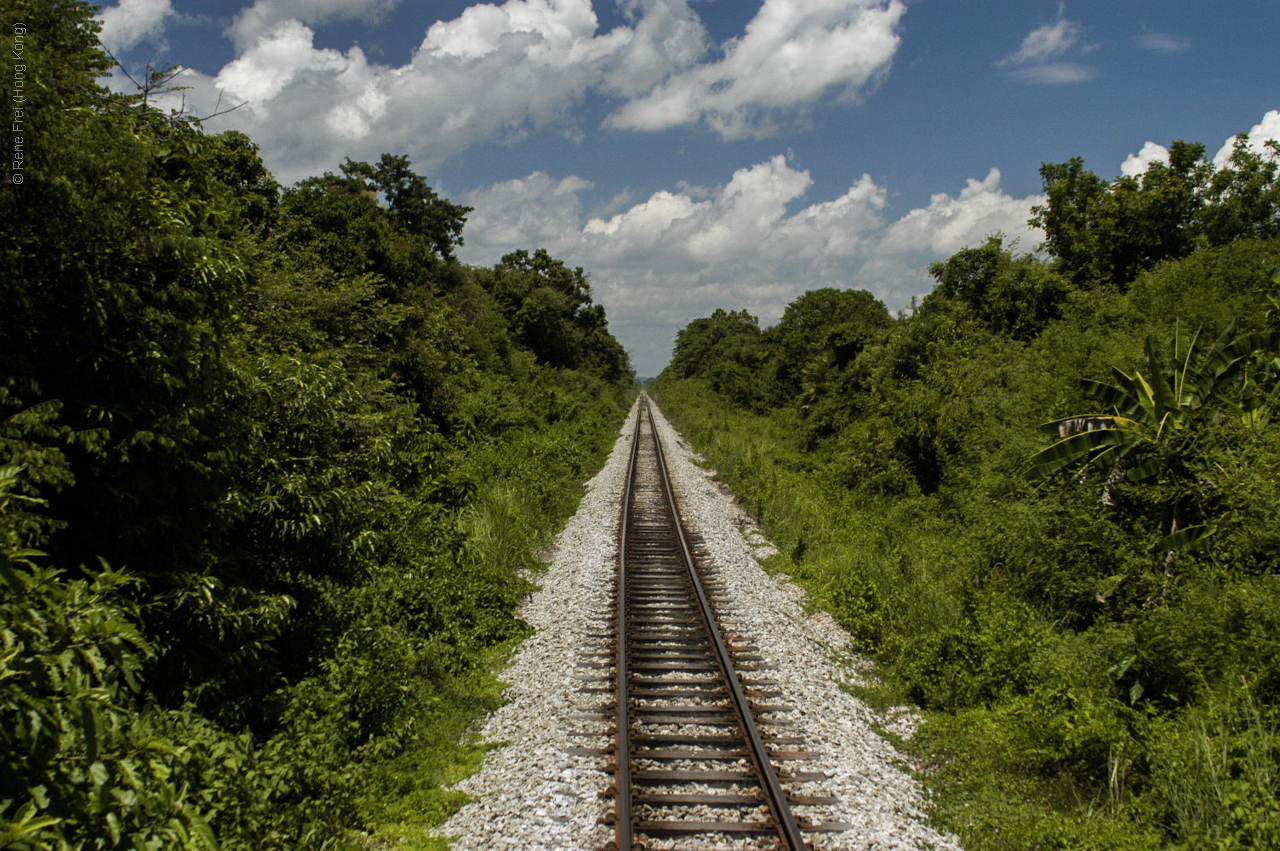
<point x="408" y="796"/>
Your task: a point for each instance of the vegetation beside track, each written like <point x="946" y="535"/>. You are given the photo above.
<point x="1088" y="613"/>
<point x="273" y="465"/>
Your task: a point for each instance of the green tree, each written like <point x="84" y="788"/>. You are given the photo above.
<point x="233" y="158"/>
<point x="1017" y="296"/>
<point x="414" y="205"/>
<point x="304" y="429"/>
<point x="821" y="330"/>
<point x="1104" y="233"/>
<point x="120" y="286"/>
<point x="1242" y="199"/>
<point x="726" y="348"/>
<point x="84" y="766"/>
<point x="550" y="309"/>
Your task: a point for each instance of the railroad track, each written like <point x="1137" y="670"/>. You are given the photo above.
<point x="701" y="758"/>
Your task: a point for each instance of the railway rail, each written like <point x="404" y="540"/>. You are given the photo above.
<point x="701" y="757"/>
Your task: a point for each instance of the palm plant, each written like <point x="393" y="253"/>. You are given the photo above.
<point x="1143" y="412"/>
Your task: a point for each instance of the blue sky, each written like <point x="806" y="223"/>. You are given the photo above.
<point x="695" y="154"/>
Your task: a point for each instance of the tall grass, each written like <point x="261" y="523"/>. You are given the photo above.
<point x="1219" y="772"/>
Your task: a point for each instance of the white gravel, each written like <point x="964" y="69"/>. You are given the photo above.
<point x="536" y="795"/>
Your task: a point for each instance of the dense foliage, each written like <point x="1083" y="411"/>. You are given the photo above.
<point x="1047" y="500"/>
<point x="272" y="468"/>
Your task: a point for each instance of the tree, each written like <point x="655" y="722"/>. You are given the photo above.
<point x="728" y="350"/>
<point x="1066" y="217"/>
<point x="64" y="60"/>
<point x="1016" y="296"/>
<point x="118" y="289"/>
<point x="1242" y="199"/>
<point x="415" y="207"/>
<point x="550" y="309"/>
<point x="1106" y="233"/>
<point x="233" y="158"/>
<point x="821" y="330"/>
<point x="705" y="342"/>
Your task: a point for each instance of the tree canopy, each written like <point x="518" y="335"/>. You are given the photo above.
<point x="1106" y="233"/>
<point x="266" y="474"/>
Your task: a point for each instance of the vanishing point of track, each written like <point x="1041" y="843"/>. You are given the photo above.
<point x="692" y="767"/>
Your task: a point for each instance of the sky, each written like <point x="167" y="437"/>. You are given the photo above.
<point x="701" y="154"/>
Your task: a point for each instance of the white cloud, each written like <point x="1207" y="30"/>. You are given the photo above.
<point x="666" y="37"/>
<point x="1268" y="129"/>
<point x="132" y="21"/>
<point x="273" y="62"/>
<point x="682" y="252"/>
<point x="1135" y="165"/>
<point x="1046" y="42"/>
<point x="1055" y="73"/>
<point x="648" y="220"/>
<point x="1163" y="43"/>
<point x="265" y="15"/>
<point x="534" y="211"/>
<point x="493" y="72"/>
<point x="500" y="71"/>
<point x="951" y="223"/>
<point x="559" y="29"/>
<point x="791" y="54"/>
<point x="1032" y="61"/>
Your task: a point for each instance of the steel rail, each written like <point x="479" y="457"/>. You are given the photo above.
<point x="784" y="820"/>
<point x="623" y="821"/>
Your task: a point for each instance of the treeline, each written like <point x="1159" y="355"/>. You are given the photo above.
<point x="1047" y="500"/>
<point x="272" y="467"/>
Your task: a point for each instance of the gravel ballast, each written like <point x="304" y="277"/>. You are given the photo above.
<point x="536" y="794"/>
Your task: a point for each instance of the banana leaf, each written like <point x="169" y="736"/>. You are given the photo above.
<point x="1187" y="538"/>
<point x="1055" y="427"/>
<point x="1078" y="446"/>
<point x="1110" y="395"/>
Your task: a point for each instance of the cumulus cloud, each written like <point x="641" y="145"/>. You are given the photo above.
<point x="665" y="37"/>
<point x="791" y="54"/>
<point x="537" y="210"/>
<point x="495" y="72"/>
<point x="1135" y="165"/>
<point x="1266" y="130"/>
<point x="559" y="31"/>
<point x="132" y="21"/>
<point x="276" y="60"/>
<point x="499" y="71"/>
<point x="951" y="223"/>
<point x="684" y="251"/>
<point x="264" y="15"/>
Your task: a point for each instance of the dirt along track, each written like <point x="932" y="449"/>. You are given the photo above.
<point x="556" y="786"/>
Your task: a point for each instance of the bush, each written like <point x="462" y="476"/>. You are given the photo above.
<point x="85" y="763"/>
